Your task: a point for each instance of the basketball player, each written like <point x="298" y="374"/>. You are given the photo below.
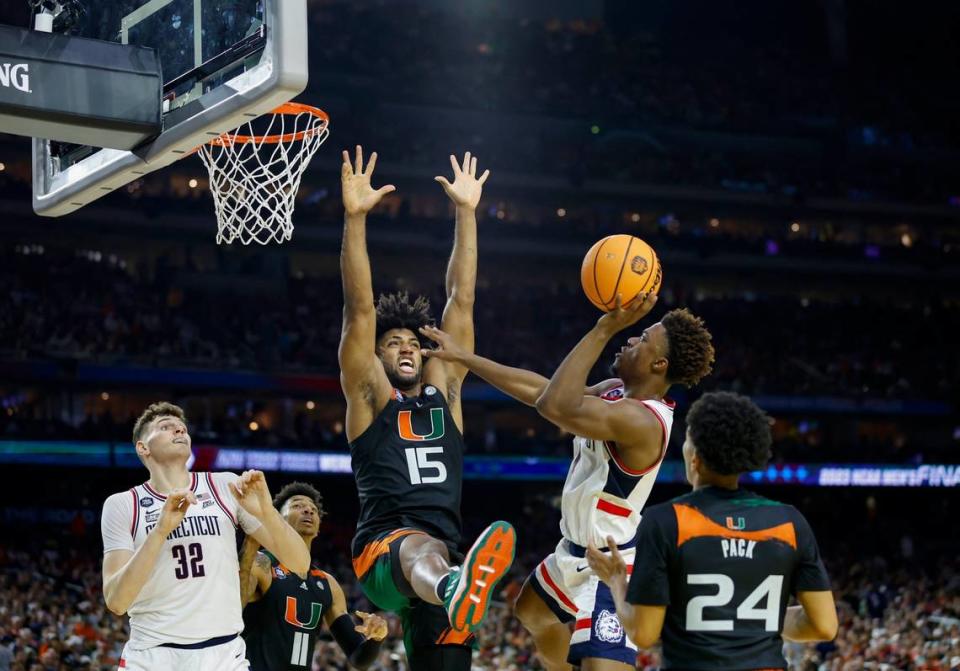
<point x="170" y="552"/>
<point x="622" y="428"/>
<point x="715" y="568"/>
<point x="405" y="428"/>
<point x="283" y="610"/>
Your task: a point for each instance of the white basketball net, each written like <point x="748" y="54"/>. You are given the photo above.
<point x="255" y="180"/>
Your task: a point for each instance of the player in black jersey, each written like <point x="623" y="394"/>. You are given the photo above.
<point x="715" y="569"/>
<point x="405" y="428"/>
<point x="283" y="610"/>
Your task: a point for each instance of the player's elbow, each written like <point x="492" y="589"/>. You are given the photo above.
<point x="114" y="606"/>
<point x="547" y="405"/>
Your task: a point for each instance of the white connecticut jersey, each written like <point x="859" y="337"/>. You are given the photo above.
<point x="193" y="593"/>
<point x="602" y="495"/>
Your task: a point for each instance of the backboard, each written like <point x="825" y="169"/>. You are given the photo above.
<point x="224" y="62"/>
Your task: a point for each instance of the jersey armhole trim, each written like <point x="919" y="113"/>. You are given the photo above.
<point x="216" y="496"/>
<point x="136" y="514"/>
<point x="615" y="454"/>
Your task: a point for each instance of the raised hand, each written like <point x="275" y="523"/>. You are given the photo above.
<point x="466" y="188"/>
<point x="372" y="626"/>
<point x="175" y="509"/>
<point x="447" y="350"/>
<point x="252" y="493"/>
<point x="621" y="317"/>
<point x="359" y="197"/>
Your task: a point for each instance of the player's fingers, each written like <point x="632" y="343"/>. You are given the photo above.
<point x="473" y="167"/>
<point x="611" y="544"/>
<point x="358" y="165"/>
<point x="345" y="169"/>
<point x="384" y="190"/>
<point x="466" y="163"/>
<point x="443" y="181"/>
<point x="456" y="166"/>
<point x="371" y="164"/>
<point x="619" y="302"/>
<point x="483" y="177"/>
<point x="235" y="490"/>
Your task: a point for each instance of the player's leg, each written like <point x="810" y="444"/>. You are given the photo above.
<point x="431" y="644"/>
<point x="599" y="642"/>
<point x="466" y="590"/>
<point x="541" y="610"/>
<point x="425" y="562"/>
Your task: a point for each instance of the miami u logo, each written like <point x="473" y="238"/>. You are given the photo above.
<point x="405" y="425"/>
<point x="738" y="524"/>
<point x="291" y="614"/>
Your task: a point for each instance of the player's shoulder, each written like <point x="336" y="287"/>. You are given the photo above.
<point x="221" y="479"/>
<point x="660" y="512"/>
<point x="120" y="500"/>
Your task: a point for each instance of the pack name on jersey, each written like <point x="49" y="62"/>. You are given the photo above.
<point x="199" y="525"/>
<point x="737" y="547"/>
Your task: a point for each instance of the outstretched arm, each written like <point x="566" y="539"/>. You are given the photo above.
<point x="461" y="280"/>
<point x="363" y="381"/>
<point x="274" y="532"/>
<point x="523" y="385"/>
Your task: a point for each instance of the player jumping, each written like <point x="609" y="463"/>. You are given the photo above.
<point x="622" y="428"/>
<point x="405" y="428"/>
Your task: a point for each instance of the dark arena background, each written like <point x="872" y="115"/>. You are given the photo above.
<point x="796" y="166"/>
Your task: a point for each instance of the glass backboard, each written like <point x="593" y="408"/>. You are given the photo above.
<point x="224" y="62"/>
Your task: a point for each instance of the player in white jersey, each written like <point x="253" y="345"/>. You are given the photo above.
<point x="622" y="428"/>
<point x="170" y="552"/>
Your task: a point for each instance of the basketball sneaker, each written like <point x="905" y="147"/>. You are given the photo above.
<point x="471" y="586"/>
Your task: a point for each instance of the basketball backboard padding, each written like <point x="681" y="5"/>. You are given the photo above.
<point x="78" y="90"/>
<point x="279" y="75"/>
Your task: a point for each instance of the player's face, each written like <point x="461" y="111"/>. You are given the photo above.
<point x="399" y="350"/>
<point x="638" y="356"/>
<point x="167" y="439"/>
<point x="301" y="513"/>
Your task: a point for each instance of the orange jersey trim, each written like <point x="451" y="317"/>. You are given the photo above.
<point x="374" y="550"/>
<point x="691" y="523"/>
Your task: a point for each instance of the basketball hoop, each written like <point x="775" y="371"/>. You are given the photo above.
<point x="255" y="177"/>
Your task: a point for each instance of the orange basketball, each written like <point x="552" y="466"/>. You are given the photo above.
<point x="619" y="264"/>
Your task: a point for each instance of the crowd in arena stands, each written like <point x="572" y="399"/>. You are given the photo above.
<point x="52" y="615"/>
<point x="63" y="306"/>
<point x="624" y="75"/>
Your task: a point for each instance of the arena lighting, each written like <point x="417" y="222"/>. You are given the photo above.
<point x="193" y="183"/>
<point x="795" y="227"/>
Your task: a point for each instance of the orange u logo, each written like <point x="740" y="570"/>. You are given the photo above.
<point x="405" y="425"/>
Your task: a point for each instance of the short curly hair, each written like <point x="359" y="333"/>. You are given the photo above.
<point x="689" y="348"/>
<point x="395" y="311"/>
<point x="729" y="432"/>
<point x="154" y="410"/>
<point x="299" y="489"/>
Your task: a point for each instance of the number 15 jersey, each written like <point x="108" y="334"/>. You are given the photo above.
<point x="409" y="470"/>
<point x="193" y="593"/>
<point x="724" y="563"/>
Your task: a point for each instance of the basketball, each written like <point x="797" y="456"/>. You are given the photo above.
<point x="619" y="264"/>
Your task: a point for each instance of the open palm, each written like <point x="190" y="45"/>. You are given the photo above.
<point x="466" y="188"/>
<point x="359" y="197"/>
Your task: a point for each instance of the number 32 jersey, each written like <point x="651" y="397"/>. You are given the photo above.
<point x="193" y="593"/>
<point x="724" y="563"/>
